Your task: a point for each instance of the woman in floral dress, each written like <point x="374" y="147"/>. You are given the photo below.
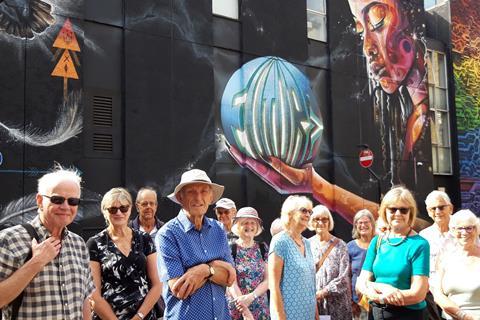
<point x="248" y="296"/>
<point x="123" y="263"/>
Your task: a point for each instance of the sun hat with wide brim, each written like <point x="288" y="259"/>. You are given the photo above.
<point x="245" y="213"/>
<point x="197" y="176"/>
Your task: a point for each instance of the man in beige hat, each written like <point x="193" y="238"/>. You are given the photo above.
<point x="225" y="210"/>
<point x="193" y="255"/>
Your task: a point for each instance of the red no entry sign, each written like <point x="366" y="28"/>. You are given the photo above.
<point x="366" y="158"/>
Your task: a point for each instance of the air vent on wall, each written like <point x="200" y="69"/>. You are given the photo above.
<point x="102" y="142"/>
<point x="102" y="111"/>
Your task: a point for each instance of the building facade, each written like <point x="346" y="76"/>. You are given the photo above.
<point x="269" y="97"/>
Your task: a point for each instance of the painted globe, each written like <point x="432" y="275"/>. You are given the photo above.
<point x="268" y="109"/>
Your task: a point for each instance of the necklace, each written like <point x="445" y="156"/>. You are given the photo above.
<point x="404" y="238"/>
<point x="296" y="242"/>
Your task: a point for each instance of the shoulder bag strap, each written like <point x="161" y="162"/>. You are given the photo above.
<point x="18" y="300"/>
<point x="325" y="255"/>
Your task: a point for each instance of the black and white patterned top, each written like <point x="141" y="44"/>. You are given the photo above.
<point x="124" y="279"/>
<point x="59" y="290"/>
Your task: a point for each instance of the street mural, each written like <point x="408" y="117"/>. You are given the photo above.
<point x="466" y="68"/>
<point x="273" y="126"/>
<point x="27" y="26"/>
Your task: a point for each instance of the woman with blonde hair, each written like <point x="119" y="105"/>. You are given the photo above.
<point x="362" y="233"/>
<point x="458" y="289"/>
<point x="332" y="279"/>
<point x="394" y="276"/>
<point x="291" y="270"/>
<point x="123" y="263"/>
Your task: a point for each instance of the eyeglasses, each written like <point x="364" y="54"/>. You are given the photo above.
<point x="113" y="210"/>
<point x="323" y="220"/>
<point x="438" y="207"/>
<point x="60" y="200"/>
<point x="392" y="210"/>
<point x="467" y="229"/>
<point x="305" y="211"/>
<point x="145" y="204"/>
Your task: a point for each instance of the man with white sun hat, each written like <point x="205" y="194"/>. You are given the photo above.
<point x="193" y="254"/>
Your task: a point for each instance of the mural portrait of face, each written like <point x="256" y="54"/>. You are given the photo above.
<point x="387" y="42"/>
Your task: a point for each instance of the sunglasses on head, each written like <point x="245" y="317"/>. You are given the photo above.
<point x="402" y="210"/>
<point x="60" y="200"/>
<point x="438" y="207"/>
<point x="305" y="210"/>
<point x="113" y="210"/>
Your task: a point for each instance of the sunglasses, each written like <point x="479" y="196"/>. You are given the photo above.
<point x="60" y="200"/>
<point x="438" y="207"/>
<point x="305" y="211"/>
<point x="392" y="210"/>
<point x="323" y="220"/>
<point x="113" y="210"/>
<point x="467" y="229"/>
<point x="145" y="204"/>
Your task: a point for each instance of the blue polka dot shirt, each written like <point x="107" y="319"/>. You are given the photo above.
<point x="179" y="247"/>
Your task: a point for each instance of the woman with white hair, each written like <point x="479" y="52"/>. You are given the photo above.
<point x="332" y="279"/>
<point x="458" y="289"/>
<point x="291" y="270"/>
<point x="249" y="293"/>
<point x="124" y="264"/>
<point x="362" y="233"/>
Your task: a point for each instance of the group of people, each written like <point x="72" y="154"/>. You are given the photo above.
<point x="195" y="267"/>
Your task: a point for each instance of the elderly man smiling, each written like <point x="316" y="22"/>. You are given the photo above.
<point x="193" y="254"/>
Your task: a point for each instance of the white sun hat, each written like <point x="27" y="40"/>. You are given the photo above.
<point x="197" y="176"/>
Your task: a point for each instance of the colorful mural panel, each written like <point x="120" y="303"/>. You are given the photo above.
<point x="466" y="67"/>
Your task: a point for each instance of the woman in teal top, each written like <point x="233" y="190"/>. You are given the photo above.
<point x="291" y="269"/>
<point x="394" y="276"/>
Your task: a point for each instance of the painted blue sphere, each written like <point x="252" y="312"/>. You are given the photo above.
<point x="268" y="109"/>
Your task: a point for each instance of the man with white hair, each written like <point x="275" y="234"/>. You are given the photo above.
<point x="193" y="254"/>
<point x="440" y="209"/>
<point x="56" y="281"/>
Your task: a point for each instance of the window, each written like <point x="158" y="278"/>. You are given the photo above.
<point x="225" y="8"/>
<point x="428" y="4"/>
<point x="439" y="113"/>
<point x="317" y="20"/>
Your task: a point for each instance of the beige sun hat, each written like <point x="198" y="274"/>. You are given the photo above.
<point x="247" y="212"/>
<point x="197" y="176"/>
<point x="225" y="203"/>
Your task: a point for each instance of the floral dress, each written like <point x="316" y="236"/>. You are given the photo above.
<point x="334" y="275"/>
<point x="250" y="266"/>
<point x="124" y="279"/>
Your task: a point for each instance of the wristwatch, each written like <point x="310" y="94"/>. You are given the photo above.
<point x="140" y="315"/>
<point x="212" y="271"/>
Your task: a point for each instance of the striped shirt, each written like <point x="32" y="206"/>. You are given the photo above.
<point x="59" y="290"/>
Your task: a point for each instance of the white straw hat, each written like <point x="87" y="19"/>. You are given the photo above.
<point x="197" y="176"/>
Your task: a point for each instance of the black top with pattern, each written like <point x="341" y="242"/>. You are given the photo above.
<point x="124" y="279"/>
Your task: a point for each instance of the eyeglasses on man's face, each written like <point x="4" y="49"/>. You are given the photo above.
<point x="145" y="204"/>
<point x="439" y="208"/>
<point x="60" y="200"/>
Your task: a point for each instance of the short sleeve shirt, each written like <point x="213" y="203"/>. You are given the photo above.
<point x="397" y="262"/>
<point x="124" y="279"/>
<point x="297" y="284"/>
<point x="60" y="288"/>
<point x="180" y="246"/>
